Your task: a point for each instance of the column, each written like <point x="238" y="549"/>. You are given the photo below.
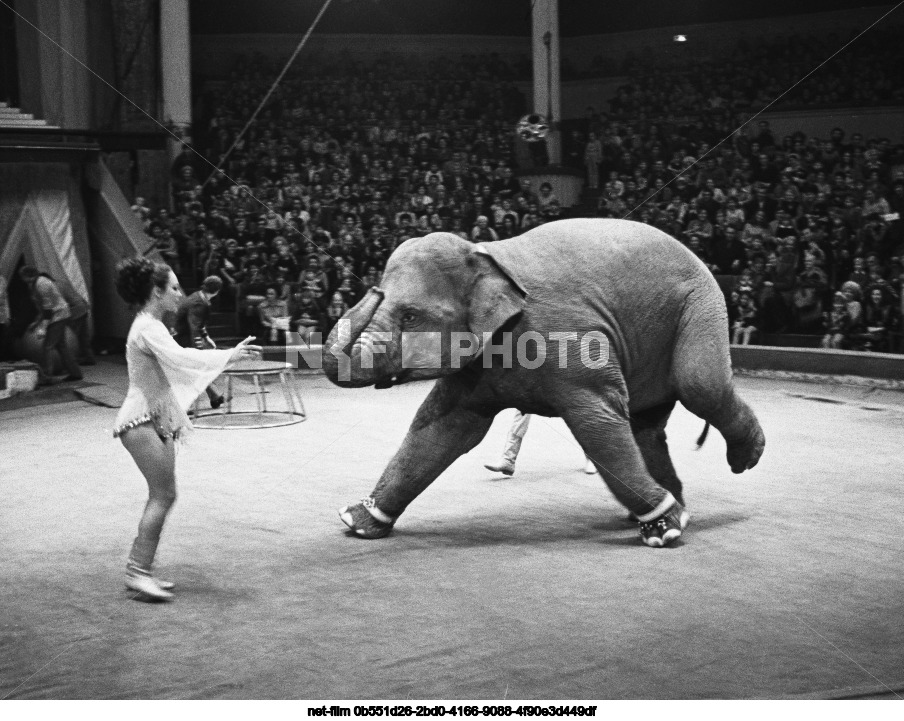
<point x="175" y="64"/>
<point x="547" y="97"/>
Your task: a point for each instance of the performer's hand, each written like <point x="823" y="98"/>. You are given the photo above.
<point x="246" y="351"/>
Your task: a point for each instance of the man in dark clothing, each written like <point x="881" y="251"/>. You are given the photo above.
<point x="761" y="201"/>
<point x="728" y="252"/>
<point x="191" y="325"/>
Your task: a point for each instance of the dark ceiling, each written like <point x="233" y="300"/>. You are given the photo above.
<point x="488" y="17"/>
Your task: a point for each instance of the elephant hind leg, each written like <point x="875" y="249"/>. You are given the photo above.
<point x="602" y="426"/>
<point x="701" y="373"/>
<point x="649" y="432"/>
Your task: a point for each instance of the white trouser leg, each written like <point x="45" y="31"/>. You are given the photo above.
<point x="515" y="436"/>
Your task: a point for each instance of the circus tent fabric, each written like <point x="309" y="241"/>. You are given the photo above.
<point x="37" y="223"/>
<point x="72" y="222"/>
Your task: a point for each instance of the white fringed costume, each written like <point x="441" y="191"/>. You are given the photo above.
<point x="164" y="379"/>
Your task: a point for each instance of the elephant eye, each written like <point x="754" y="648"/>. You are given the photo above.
<point x="409" y="317"/>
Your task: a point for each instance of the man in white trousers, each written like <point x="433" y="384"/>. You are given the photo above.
<point x="506" y="466"/>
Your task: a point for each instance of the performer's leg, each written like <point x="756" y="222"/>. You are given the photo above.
<point x="156" y="459"/>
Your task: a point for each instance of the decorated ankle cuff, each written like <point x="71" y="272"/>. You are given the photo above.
<point x="664" y="505"/>
<point x="372" y="509"/>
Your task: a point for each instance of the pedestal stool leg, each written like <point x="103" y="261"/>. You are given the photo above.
<point x="284" y="382"/>
<point x="261" y="401"/>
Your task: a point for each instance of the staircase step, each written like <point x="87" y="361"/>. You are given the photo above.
<point x="8" y="123"/>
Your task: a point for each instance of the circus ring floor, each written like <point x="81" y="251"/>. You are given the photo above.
<point x="788" y="583"/>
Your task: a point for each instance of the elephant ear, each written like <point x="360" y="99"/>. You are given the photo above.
<point x="494" y="298"/>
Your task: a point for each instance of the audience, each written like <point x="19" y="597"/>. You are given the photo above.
<point x="347" y="160"/>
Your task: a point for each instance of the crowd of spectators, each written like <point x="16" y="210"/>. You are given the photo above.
<point x="792" y="220"/>
<point x="346" y="160"/>
<point x="795" y="219"/>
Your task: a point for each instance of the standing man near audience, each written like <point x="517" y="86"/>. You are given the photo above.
<point x="194" y="313"/>
<point x="54" y="317"/>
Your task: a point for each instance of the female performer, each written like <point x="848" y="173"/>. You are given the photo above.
<point x="164" y="380"/>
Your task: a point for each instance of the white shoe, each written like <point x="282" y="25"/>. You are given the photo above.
<point x="589" y="467"/>
<point x="165" y="585"/>
<point x="147" y="585"/>
<point x="503" y="467"/>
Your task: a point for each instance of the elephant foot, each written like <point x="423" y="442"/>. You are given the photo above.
<point x="360" y="520"/>
<point x="744" y="455"/>
<point x="665" y="529"/>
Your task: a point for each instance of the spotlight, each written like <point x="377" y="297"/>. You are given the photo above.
<point x="680" y="38"/>
<point x="532" y="128"/>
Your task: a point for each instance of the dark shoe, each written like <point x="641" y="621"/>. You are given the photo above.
<point x="73" y="379"/>
<point x="52" y="380"/>
<point x="667" y="528"/>
<point x="217" y="402"/>
<point x="360" y="520"/>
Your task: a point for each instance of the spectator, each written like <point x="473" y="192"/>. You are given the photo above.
<point x="335" y="310"/>
<point x="593" y="157"/>
<point x="812" y="283"/>
<point x="837" y="323"/>
<point x="851" y="292"/>
<point x="306" y="318"/>
<point x="273" y="314"/>
<point x="746" y="314"/>
<point x="877" y="321"/>
<point x="482" y="232"/>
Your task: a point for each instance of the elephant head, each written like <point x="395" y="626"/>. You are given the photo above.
<point x="433" y="288"/>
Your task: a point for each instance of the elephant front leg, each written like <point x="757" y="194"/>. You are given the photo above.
<point x="441" y="431"/>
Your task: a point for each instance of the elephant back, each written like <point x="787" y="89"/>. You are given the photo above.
<point x="625" y="278"/>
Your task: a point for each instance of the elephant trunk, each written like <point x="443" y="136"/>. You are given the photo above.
<point x="346" y="362"/>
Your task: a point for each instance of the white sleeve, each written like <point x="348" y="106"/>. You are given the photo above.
<point x="187" y="370"/>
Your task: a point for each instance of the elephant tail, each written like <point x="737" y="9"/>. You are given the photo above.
<point x="702" y="439"/>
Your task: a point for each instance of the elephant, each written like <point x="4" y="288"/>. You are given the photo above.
<point x="454" y="311"/>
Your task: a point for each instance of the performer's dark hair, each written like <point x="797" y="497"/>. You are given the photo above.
<point x="137" y="277"/>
